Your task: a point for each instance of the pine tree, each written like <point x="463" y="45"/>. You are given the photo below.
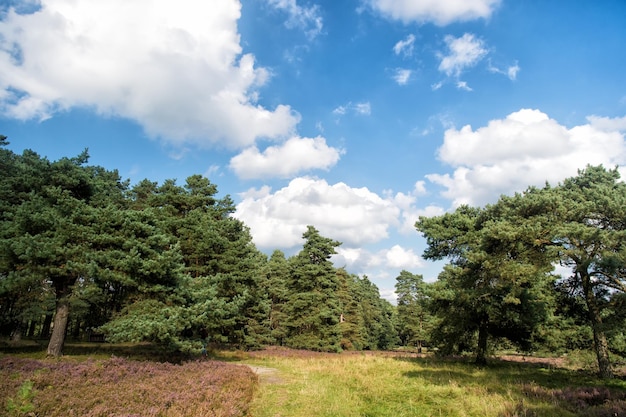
<point x="414" y="319"/>
<point x="493" y="286"/>
<point x="277" y="275"/>
<point x="313" y="308"/>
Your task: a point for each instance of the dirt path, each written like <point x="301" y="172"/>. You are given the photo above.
<point x="267" y="375"/>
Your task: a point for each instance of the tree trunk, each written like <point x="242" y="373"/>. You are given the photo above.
<point x="57" y="339"/>
<point x="45" y="328"/>
<point x="481" y="351"/>
<point x="599" y="338"/>
<point x="31" y="328"/>
<point x="16" y="334"/>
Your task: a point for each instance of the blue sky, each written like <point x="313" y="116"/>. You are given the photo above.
<point x="355" y="116"/>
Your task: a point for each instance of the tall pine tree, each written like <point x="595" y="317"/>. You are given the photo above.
<point x="313" y="308"/>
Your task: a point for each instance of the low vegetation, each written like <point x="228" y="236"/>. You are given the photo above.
<point x="75" y="386"/>
<point x="393" y="384"/>
<point x="299" y="383"/>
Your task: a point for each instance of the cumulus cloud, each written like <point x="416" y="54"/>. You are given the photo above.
<point x="525" y="148"/>
<point x="439" y="12"/>
<point x="463" y="52"/>
<point x="176" y="69"/>
<point x="362" y="260"/>
<point x="294" y="156"/>
<point x="307" y="19"/>
<point x="410" y="212"/>
<point x="608" y="124"/>
<point x="354" y="216"/>
<point x="405" y="46"/>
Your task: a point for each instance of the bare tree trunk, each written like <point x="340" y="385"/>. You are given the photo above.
<point x="481" y="351"/>
<point x="59" y="328"/>
<point x="16" y="334"/>
<point x="31" y="328"/>
<point x="599" y="338"/>
<point x="45" y="328"/>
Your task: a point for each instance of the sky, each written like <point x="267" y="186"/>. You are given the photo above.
<point x="354" y="116"/>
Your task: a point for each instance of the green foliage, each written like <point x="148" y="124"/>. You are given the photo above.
<point x="495" y="283"/>
<point x="415" y="322"/>
<point x="498" y="282"/>
<point x="367" y="320"/>
<point x="163" y="263"/>
<point x="313" y="308"/>
<point x="276" y="276"/>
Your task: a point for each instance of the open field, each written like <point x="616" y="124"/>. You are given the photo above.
<point x="385" y="384"/>
<point x="287" y="383"/>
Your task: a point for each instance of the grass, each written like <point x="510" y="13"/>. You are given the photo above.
<point x="366" y="385"/>
<point x="90" y="382"/>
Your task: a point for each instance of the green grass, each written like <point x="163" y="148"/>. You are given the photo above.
<point x="383" y="385"/>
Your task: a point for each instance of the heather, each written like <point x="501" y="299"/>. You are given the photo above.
<point x="123" y="387"/>
<point x="301" y="383"/>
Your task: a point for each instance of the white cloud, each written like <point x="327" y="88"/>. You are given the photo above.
<point x="405" y="46"/>
<point x="525" y="148"/>
<point x="362" y="260"/>
<point x="292" y="157"/>
<point x="340" y="111"/>
<point x="176" y="69"/>
<point x="307" y="19"/>
<point x="407" y="202"/>
<point x="363" y="108"/>
<point x="354" y="216"/>
<point x="510" y="72"/>
<point x="463" y="52"/>
<point x="400" y="258"/>
<point x="402" y="76"/>
<point x="439" y="12"/>
<point x="608" y="124"/>
<point x="462" y="85"/>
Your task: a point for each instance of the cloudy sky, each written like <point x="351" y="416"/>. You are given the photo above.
<point x="354" y="116"/>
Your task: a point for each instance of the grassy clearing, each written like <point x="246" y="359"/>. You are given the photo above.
<point x="90" y="382"/>
<point x="385" y="385"/>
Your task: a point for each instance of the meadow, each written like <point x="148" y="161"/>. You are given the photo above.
<point x="103" y="380"/>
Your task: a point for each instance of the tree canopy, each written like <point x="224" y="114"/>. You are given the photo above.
<point x="83" y="253"/>
<point x="499" y="280"/>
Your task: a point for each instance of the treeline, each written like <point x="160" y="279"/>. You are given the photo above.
<point x="83" y="254"/>
<point x="500" y="285"/>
